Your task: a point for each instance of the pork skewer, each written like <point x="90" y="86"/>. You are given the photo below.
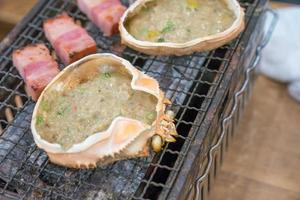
<point x="105" y="14"/>
<point x="70" y="41"/>
<point x="36" y="66"/>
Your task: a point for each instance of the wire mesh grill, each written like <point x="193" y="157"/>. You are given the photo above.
<point x="189" y="81"/>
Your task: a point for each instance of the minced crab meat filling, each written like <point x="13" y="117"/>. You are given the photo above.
<point x="91" y="107"/>
<point x="179" y="20"/>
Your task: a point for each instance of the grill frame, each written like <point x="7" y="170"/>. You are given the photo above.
<point x="233" y="111"/>
<point x="202" y="122"/>
<point x="196" y="174"/>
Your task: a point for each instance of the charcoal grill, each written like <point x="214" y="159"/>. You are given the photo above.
<point x="209" y="91"/>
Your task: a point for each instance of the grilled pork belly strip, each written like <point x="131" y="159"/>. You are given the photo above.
<point x="105" y="14"/>
<point x="36" y="66"/>
<point x="70" y="41"/>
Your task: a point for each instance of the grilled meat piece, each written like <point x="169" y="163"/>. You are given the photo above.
<point x="36" y="66"/>
<point x="70" y="41"/>
<point x="105" y="14"/>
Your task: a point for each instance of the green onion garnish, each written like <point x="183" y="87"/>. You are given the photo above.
<point x="107" y="75"/>
<point x="40" y="120"/>
<point x="161" y="40"/>
<point x="64" y="110"/>
<point x="170" y="26"/>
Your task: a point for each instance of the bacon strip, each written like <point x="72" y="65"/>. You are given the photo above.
<point x="105" y="14"/>
<point x="70" y="41"/>
<point x="36" y="66"/>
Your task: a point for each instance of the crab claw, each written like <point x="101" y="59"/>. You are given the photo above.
<point x="170" y="115"/>
<point x="173" y="133"/>
<point x="167" y="101"/>
<point x="165" y="131"/>
<point x="170" y="138"/>
<point x="157" y="143"/>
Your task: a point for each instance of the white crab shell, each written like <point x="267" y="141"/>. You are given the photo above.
<point x="169" y="48"/>
<point x="123" y="139"/>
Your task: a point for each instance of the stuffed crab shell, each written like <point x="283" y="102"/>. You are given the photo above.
<point x="98" y="110"/>
<point x="179" y="27"/>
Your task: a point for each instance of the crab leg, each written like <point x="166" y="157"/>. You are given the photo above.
<point x="165" y="131"/>
<point x="167" y="101"/>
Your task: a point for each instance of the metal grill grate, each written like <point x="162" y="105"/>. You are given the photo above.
<point x="189" y="81"/>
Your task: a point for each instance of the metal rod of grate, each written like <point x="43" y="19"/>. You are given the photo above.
<point x="189" y="81"/>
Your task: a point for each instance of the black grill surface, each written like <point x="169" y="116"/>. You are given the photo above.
<point x="190" y="82"/>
